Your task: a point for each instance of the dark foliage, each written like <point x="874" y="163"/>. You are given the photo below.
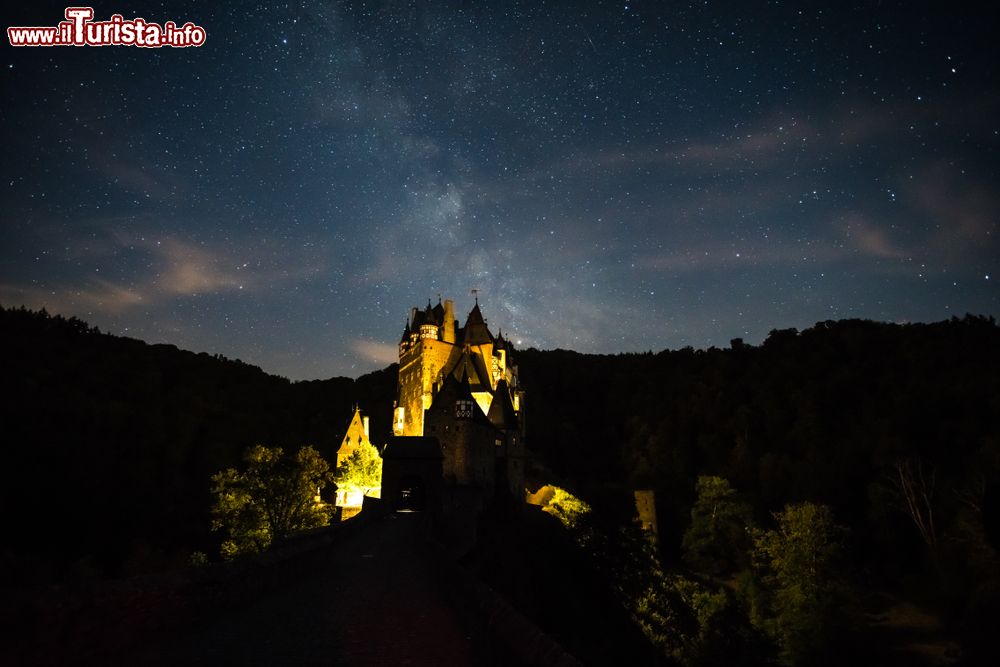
<point x="820" y="415"/>
<point x="536" y="564"/>
<point x="826" y="416"/>
<point x="110" y="443"/>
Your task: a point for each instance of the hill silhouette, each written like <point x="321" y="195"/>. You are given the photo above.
<point x="816" y="415"/>
<point x="109" y="442"/>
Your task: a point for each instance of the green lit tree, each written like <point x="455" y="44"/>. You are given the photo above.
<point x="566" y="507"/>
<point x="798" y="564"/>
<point x="717" y="540"/>
<point x="361" y="472"/>
<point x="274" y="496"/>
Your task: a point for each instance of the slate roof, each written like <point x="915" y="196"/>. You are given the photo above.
<point x="473" y="369"/>
<point x="475" y="331"/>
<point x="453" y="390"/>
<point x="502" y="413"/>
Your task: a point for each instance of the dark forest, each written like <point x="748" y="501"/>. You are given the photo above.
<point x="110" y="442"/>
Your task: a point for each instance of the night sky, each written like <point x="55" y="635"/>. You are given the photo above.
<point x="611" y="177"/>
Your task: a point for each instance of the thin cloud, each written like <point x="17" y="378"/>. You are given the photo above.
<point x="725" y="257"/>
<point x="846" y="238"/>
<point x="765" y="146"/>
<point x="369" y="350"/>
<point x="100" y="295"/>
<point x="136" y="177"/>
<point x="758" y="148"/>
<point x="173" y="269"/>
<point x="966" y="211"/>
<point x="871" y="240"/>
<point x="190" y="269"/>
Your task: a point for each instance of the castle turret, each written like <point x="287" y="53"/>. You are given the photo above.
<point x="404" y="341"/>
<point x="429" y="324"/>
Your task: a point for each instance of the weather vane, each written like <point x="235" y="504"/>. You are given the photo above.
<point x="475" y="292"/>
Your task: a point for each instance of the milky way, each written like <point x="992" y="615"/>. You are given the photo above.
<point x="611" y="177"/>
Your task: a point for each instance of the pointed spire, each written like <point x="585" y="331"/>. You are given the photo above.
<point x="475" y="316"/>
<point x="475" y="330"/>
<point x="432" y="314"/>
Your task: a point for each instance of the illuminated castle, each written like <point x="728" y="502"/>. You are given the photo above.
<point x="459" y="385"/>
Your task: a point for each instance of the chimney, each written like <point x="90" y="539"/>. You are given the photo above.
<point x="449" y="322"/>
<point x="365" y="421"/>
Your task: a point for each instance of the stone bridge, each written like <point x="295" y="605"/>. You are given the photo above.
<point x="377" y="592"/>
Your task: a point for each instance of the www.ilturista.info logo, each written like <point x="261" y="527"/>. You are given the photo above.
<point x="80" y="30"/>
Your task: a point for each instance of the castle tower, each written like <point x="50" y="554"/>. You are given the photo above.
<point x="459" y="387"/>
<point x="433" y="347"/>
<point x="426" y="356"/>
<point x="450" y="323"/>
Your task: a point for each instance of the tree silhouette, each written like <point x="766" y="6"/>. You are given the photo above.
<point x="915" y="486"/>
<point x="717" y="539"/>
